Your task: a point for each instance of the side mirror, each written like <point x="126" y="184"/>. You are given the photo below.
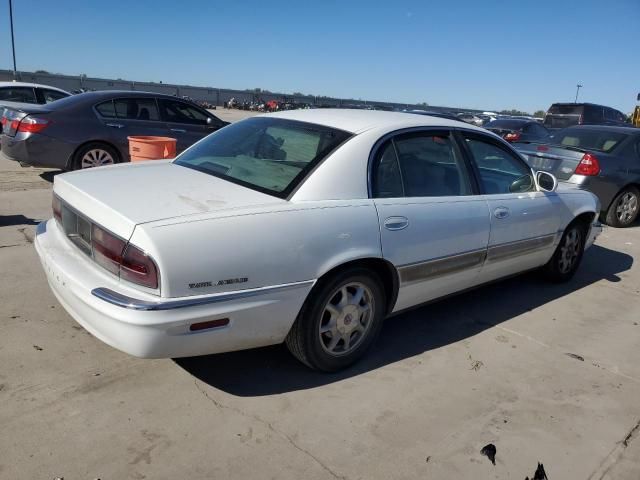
<point x="546" y="181"/>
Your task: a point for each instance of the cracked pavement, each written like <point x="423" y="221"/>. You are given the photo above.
<point x="546" y="373"/>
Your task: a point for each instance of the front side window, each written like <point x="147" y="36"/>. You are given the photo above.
<point x="179" y="112"/>
<point x="267" y="154"/>
<point x="136" y="109"/>
<point x="499" y="170"/>
<point x="52" y="95"/>
<point x="18" y="94"/>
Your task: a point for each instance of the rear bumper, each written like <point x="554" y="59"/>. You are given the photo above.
<point x="148" y="326"/>
<point x="36" y="150"/>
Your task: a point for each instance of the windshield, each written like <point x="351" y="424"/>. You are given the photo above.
<point x="270" y="155"/>
<point x="587" y="138"/>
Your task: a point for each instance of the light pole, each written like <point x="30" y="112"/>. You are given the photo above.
<point x="13" y="47"/>
<point x="578" y="87"/>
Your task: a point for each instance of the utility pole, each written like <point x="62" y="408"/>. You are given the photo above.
<point x="578" y="87"/>
<point x="13" y="47"/>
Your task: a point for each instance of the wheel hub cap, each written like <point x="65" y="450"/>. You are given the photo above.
<point x="346" y="319"/>
<point x="96" y="158"/>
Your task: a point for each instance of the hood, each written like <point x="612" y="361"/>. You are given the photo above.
<point x="122" y="196"/>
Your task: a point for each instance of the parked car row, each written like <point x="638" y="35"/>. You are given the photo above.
<point x="92" y="129"/>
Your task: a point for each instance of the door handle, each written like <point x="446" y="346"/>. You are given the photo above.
<point x="178" y="130"/>
<point x="501" y="212"/>
<point x="115" y="125"/>
<point x="396" y="223"/>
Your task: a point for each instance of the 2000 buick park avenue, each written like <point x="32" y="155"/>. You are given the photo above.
<point x="308" y="227"/>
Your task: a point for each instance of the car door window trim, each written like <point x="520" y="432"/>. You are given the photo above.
<point x="380" y="143"/>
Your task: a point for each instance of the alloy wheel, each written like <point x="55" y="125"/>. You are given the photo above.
<point x="570" y="250"/>
<point x="627" y="207"/>
<point x="96" y="158"/>
<point x="346" y="319"/>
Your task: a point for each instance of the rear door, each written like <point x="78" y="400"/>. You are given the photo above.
<point x="524" y="221"/>
<point x="186" y="122"/>
<point x="130" y="116"/>
<point x="433" y="226"/>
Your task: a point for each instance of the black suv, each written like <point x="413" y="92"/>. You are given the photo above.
<point x="562" y="115"/>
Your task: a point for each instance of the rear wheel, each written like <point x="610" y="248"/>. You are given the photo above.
<point x="568" y="254"/>
<point x="95" y="154"/>
<point x="624" y="208"/>
<point x="339" y="321"/>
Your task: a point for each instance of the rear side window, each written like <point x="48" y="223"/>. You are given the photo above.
<point x="106" y="109"/>
<point x="136" y="109"/>
<point x="18" y="94"/>
<point x="52" y="95"/>
<point x="587" y="138"/>
<point x="593" y="114"/>
<point x="420" y="165"/>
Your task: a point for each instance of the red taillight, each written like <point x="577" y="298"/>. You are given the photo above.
<point x="542" y="148"/>
<point x="56" y="206"/>
<point x="512" y="136"/>
<point x="30" y="124"/>
<point x="107" y="249"/>
<point x="588" y="166"/>
<point x="222" y="322"/>
<point x="138" y="267"/>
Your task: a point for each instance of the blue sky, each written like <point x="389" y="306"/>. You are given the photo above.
<point x="476" y="54"/>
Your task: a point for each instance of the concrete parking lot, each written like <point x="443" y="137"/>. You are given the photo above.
<point x="546" y="373"/>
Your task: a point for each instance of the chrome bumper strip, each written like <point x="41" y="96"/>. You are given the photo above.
<point x="124" y="301"/>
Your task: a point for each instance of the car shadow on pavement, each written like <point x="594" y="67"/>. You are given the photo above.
<point x="11" y="220"/>
<point x="49" y="175"/>
<point x="273" y="370"/>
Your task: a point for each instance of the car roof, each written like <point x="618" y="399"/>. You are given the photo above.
<point x="582" y="104"/>
<point x="32" y="85"/>
<point x="358" y="121"/>
<point x="608" y="128"/>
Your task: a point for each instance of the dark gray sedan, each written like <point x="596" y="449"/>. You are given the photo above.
<point x="602" y="159"/>
<point x="91" y="129"/>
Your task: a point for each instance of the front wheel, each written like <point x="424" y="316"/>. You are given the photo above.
<point x="566" y="259"/>
<point x="624" y="208"/>
<point x="339" y="321"/>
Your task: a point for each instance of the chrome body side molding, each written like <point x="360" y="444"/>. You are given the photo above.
<point x="125" y="301"/>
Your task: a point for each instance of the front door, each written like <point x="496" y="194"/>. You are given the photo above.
<point x="525" y="222"/>
<point x="432" y="226"/>
<point x="186" y="122"/>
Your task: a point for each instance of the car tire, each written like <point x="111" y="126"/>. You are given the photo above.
<point x="353" y="318"/>
<point x="95" y="154"/>
<point x="566" y="259"/>
<point x="623" y="211"/>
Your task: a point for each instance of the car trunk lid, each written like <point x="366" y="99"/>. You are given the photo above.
<point x="560" y="161"/>
<point x="122" y="196"/>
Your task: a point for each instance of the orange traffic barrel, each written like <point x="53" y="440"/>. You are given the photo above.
<point x="151" y="148"/>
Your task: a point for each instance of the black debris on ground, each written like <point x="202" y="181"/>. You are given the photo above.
<point x="38" y="348"/>
<point x="573" y="355"/>
<point x="489" y="451"/>
<point x="540" y="473"/>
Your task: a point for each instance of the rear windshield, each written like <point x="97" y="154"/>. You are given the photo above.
<point x="588" y="139"/>
<point x="509" y="124"/>
<point x="576" y="109"/>
<point x="270" y="155"/>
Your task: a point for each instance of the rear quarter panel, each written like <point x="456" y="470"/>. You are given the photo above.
<point x="296" y="242"/>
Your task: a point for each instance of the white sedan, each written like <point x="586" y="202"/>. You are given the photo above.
<point x="308" y="227"/>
